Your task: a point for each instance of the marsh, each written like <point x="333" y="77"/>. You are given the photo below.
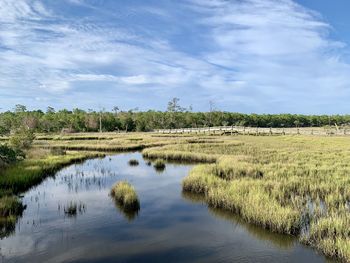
<point x="171" y="225"/>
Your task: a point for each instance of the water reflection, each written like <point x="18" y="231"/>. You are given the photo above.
<point x="281" y="241"/>
<point x="159" y="169"/>
<point x="171" y="225"/>
<point x="130" y="215"/>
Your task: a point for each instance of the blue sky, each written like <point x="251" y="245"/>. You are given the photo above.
<point x="263" y="56"/>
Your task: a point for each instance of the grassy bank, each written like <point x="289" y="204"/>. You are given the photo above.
<point x="22" y="176"/>
<point x="296" y="185"/>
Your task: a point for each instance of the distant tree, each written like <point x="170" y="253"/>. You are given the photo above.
<point x="174" y="106"/>
<point x="50" y="110"/>
<point x="20" y="108"/>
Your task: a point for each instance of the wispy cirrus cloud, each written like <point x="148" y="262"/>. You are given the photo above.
<point x="251" y="55"/>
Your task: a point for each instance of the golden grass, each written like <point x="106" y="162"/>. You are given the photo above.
<point x="289" y="184"/>
<point x="125" y="194"/>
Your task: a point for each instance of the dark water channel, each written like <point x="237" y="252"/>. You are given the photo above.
<point x="170" y="227"/>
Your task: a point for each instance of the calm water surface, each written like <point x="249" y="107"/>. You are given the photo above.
<point x="170" y="227"/>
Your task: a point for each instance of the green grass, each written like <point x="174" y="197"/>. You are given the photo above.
<point x="10" y="206"/>
<point x="24" y="175"/>
<point x="126" y="196"/>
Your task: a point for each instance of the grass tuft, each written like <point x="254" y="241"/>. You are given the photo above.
<point x="125" y="194"/>
<point x="133" y="162"/>
<point x="159" y="164"/>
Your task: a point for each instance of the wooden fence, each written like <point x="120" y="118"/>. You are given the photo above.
<point x="259" y="131"/>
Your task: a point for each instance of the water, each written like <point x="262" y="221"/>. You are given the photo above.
<point x="170" y="227"/>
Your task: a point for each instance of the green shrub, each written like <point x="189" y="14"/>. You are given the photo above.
<point x="22" y="139"/>
<point x="8" y="155"/>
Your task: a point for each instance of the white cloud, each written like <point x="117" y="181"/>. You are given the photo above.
<point x="278" y="47"/>
<point x="260" y="55"/>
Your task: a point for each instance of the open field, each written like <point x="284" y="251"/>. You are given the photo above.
<point x="296" y="185"/>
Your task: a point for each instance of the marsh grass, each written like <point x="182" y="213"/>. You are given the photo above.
<point x="295" y="185"/>
<point x="30" y="172"/>
<point x="73" y="208"/>
<point x="298" y="185"/>
<point x="133" y="162"/>
<point x="10" y="206"/>
<point x="7" y="226"/>
<point x="177" y="155"/>
<point x="26" y="174"/>
<point x="125" y="195"/>
<point x="159" y="164"/>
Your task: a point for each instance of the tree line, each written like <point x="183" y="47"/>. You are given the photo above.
<point x="78" y="120"/>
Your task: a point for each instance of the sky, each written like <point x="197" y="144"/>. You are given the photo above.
<point x="261" y="56"/>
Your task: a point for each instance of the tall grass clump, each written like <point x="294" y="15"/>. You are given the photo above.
<point x="200" y="180"/>
<point x="125" y="194"/>
<point x="159" y="164"/>
<point x="174" y="155"/>
<point x="133" y="162"/>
